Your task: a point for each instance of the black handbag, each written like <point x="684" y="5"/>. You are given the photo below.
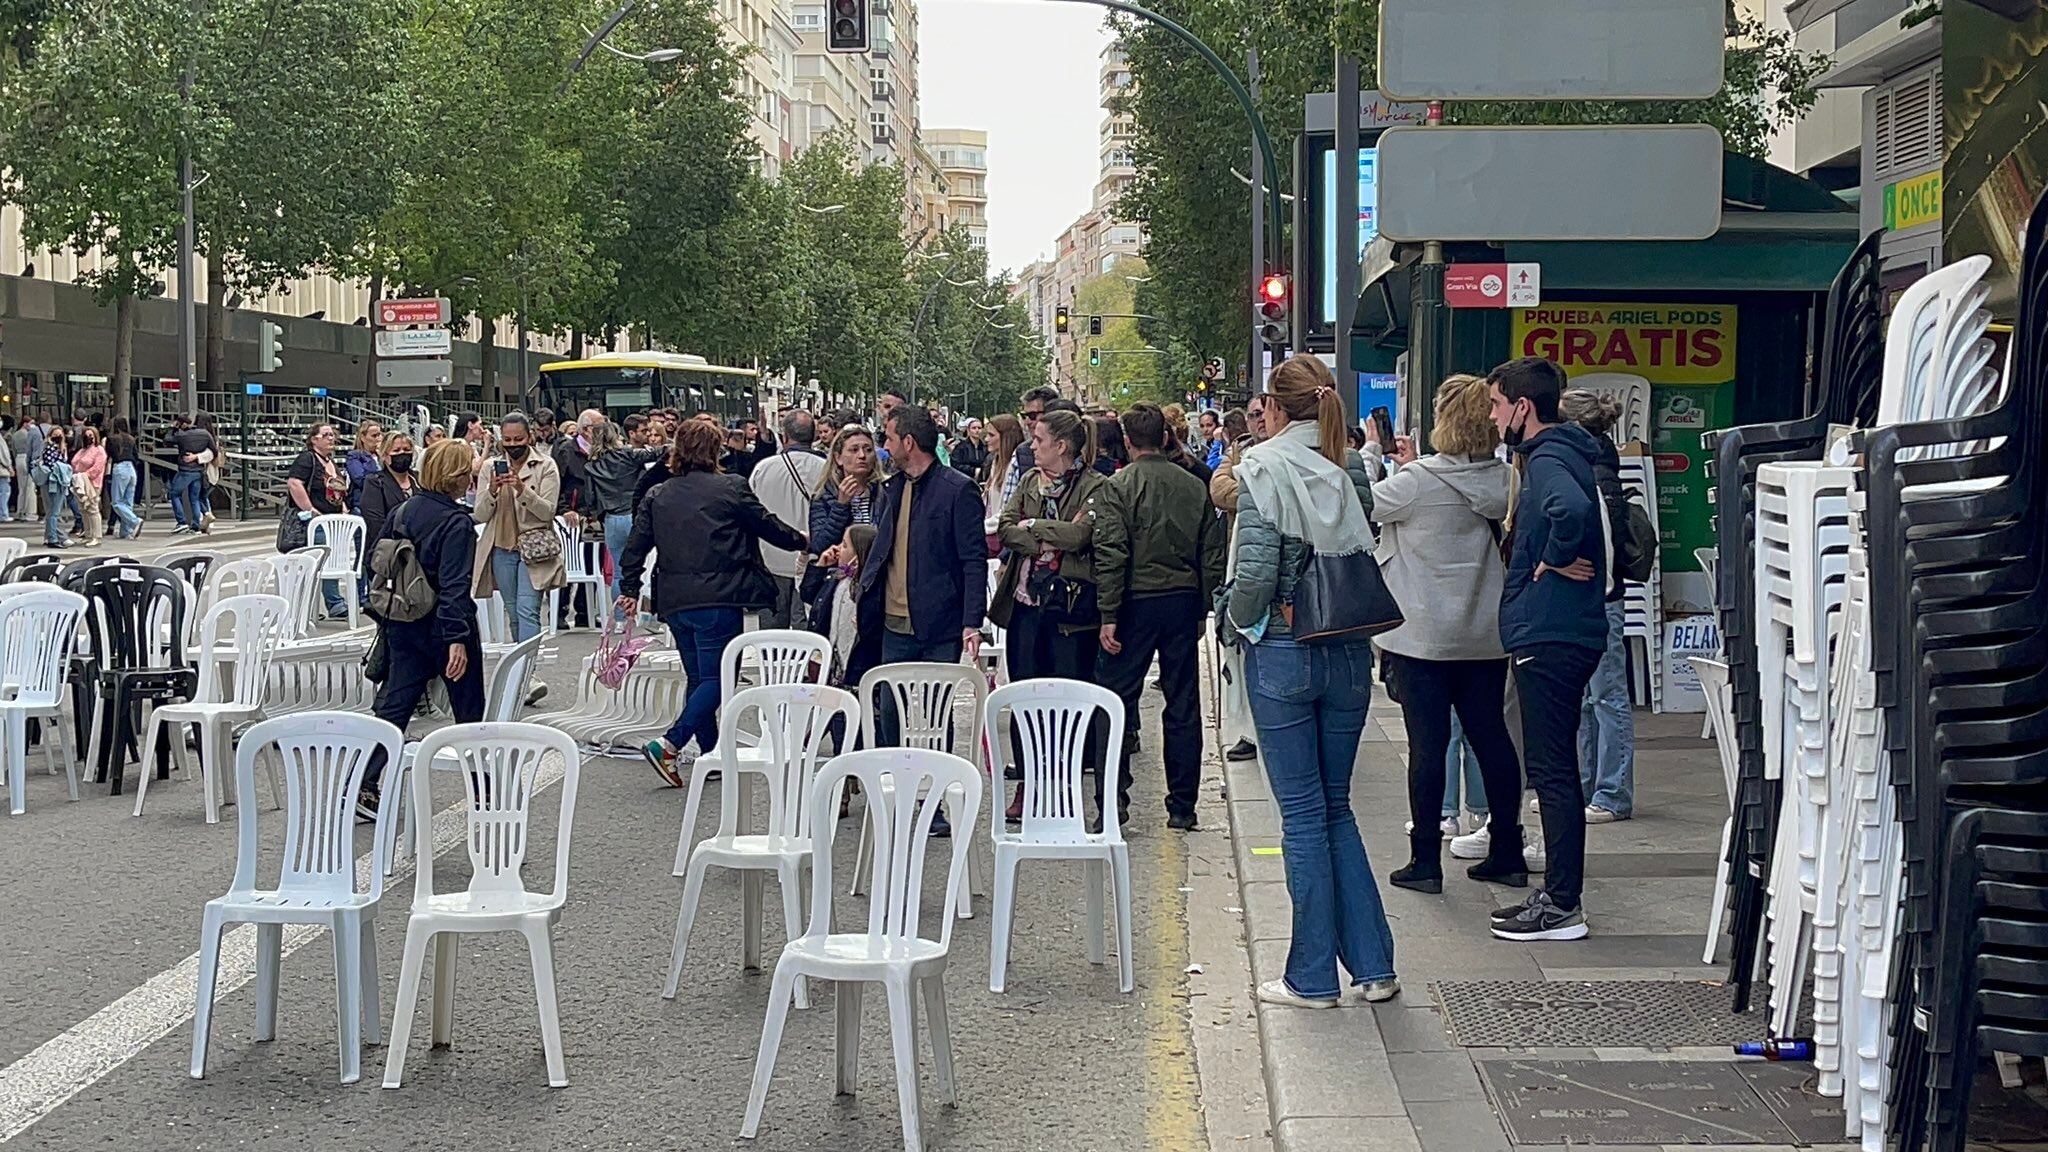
<point x="377" y="661"/>
<point x="291" y="531"/>
<point x="1338" y="599"/>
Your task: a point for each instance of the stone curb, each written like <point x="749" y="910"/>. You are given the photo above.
<point x="1329" y="1083"/>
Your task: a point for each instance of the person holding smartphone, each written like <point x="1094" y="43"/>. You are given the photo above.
<point x="520" y="553"/>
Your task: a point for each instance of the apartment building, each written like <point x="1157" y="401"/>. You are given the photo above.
<point x="962" y="157"/>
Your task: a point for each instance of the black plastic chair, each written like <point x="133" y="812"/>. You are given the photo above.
<point x="138" y="618"/>
<point x="39" y="566"/>
<point x="193" y="566"/>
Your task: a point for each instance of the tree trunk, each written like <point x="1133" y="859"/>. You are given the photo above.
<point x="370" y="361"/>
<point x="216" y="326"/>
<point x="576" y="345"/>
<point x="124" y="353"/>
<point x="487" y="345"/>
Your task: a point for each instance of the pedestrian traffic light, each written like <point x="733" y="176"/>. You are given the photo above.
<point x="1095" y="325"/>
<point x="1095" y="357"/>
<point x="849" y="30"/>
<point x="1060" y="319"/>
<point x="269" y="346"/>
<point x="1269" y="311"/>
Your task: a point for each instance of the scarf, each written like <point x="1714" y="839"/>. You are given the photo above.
<point x="1048" y="558"/>
<point x="1304" y="495"/>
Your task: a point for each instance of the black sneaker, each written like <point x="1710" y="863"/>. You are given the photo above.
<point x="1242" y="750"/>
<point x="366" y="807"/>
<point x="1541" y="920"/>
<point x="942" y="828"/>
<point x="1181" y="821"/>
<point x="1514" y="910"/>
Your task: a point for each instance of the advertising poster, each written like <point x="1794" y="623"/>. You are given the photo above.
<point x="1687" y="353"/>
<point x="1368" y="220"/>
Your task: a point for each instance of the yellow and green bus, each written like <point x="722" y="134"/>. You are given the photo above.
<point x="622" y="383"/>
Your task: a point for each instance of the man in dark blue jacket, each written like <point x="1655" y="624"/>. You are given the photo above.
<point x="1553" y="623"/>
<point x="924" y="591"/>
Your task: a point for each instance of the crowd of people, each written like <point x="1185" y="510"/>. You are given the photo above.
<point x="1115" y="537"/>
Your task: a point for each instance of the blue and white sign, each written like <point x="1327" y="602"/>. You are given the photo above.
<point x="1368" y="220"/>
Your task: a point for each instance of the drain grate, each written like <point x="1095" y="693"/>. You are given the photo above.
<point x="1669" y="1102"/>
<point x="1604" y="1014"/>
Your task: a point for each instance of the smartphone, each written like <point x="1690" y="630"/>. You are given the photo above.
<point x="502" y="468"/>
<point x="1384" y="422"/>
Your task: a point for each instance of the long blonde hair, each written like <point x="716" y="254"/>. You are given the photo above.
<point x="1303" y="389"/>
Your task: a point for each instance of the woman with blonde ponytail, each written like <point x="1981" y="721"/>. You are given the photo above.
<point x="1304" y="493"/>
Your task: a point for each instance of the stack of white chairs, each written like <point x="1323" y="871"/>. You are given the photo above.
<point x="1836" y="884"/>
<point x="1802" y="544"/>
<point x="583" y="561"/>
<point x="38" y="627"/>
<point x="1633" y="392"/>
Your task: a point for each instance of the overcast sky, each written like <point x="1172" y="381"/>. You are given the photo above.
<point x="1025" y="72"/>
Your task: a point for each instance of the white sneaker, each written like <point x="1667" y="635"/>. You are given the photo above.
<point x="1277" y="992"/>
<point x="1535" y="804"/>
<point x="1533" y="858"/>
<point x="1472" y="847"/>
<point x="1598" y="815"/>
<point x="1449" y="827"/>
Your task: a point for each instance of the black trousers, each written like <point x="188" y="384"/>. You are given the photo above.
<point x="1038" y="650"/>
<point x="1427" y="691"/>
<point x="1551" y="680"/>
<point x="416" y="661"/>
<point x="1168" y="625"/>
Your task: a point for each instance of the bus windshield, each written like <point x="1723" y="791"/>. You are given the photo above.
<point x="616" y="392"/>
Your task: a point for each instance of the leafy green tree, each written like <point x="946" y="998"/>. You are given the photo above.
<point x="1131" y="368"/>
<point x="976" y="352"/>
<point x="851" y="316"/>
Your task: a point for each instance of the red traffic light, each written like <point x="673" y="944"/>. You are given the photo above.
<point x="1273" y="288"/>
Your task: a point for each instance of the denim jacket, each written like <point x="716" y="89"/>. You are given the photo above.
<point x="1269" y="564"/>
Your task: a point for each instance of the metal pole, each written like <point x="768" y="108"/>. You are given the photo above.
<point x="1428" y="326"/>
<point x="1346" y="271"/>
<point x="242" y="403"/>
<point x="596" y="38"/>
<point x="188" y="291"/>
<point x="1255" y="367"/>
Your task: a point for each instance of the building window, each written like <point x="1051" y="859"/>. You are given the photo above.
<point x="808" y="21"/>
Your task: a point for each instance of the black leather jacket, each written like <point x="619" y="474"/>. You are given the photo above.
<point x="611" y="480"/>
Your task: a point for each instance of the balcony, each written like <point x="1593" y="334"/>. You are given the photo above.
<point x="884" y="134"/>
<point x="880" y="49"/>
<point x="881" y="7"/>
<point x="882" y="90"/>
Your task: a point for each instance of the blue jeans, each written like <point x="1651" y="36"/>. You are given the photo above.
<point x="617" y="526"/>
<point x="515" y="584"/>
<point x="701" y="636"/>
<point x="121" y="499"/>
<point x="6" y="499"/>
<point x="1461" y="764"/>
<point x="1607" y="728"/>
<point x="1308" y="703"/>
<point x="188" y="494"/>
<point x="53" y="518"/>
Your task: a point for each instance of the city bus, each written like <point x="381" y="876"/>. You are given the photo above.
<point x="619" y="384"/>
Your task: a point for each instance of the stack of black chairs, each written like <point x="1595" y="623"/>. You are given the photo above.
<point x="1959" y="604"/>
<point x="1849" y="354"/>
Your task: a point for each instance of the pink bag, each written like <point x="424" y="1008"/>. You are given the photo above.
<point x="616" y="654"/>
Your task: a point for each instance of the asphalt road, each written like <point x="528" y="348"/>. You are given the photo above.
<point x="100" y="910"/>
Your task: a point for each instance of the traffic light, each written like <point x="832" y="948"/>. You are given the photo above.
<point x="1095" y="357"/>
<point x="1269" y="311"/>
<point x="849" y="29"/>
<point x="1095" y="325"/>
<point x="1060" y="319"/>
<point x="269" y="347"/>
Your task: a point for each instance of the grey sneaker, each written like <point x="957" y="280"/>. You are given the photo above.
<point x="1539" y="919"/>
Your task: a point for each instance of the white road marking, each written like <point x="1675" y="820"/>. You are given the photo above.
<point x="72" y="1061"/>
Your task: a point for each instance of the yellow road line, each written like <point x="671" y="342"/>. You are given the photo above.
<point x="1173" y="1112"/>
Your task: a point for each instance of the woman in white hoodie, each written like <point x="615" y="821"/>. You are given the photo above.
<point x="1439" y="548"/>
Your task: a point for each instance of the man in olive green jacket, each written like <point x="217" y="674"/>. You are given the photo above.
<point x="1159" y="551"/>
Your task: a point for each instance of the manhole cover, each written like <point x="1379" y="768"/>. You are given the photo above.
<point x="1606" y="1014"/>
<point x="1572" y="1102"/>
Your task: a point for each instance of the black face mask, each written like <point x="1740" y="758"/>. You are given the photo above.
<point x="402" y="463"/>
<point x="1513" y="435"/>
<point x="516" y="453"/>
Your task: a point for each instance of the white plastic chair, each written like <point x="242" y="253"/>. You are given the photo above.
<point x="38" y="627"/>
<point x="503" y="699"/>
<point x="342" y="535"/>
<point x="12" y="548"/>
<point x="891" y="952"/>
<point x="580" y="560"/>
<point x="1051" y="719"/>
<point x="298" y="581"/>
<point x="493" y="620"/>
<point x="324" y="754"/>
<point x="251" y="577"/>
<point x="771" y="656"/>
<point x="927" y="698"/>
<point x="793" y="720"/>
<point x="500" y="766"/>
<point x="258" y="625"/>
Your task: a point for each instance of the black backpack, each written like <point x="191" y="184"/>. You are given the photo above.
<point x="400" y="592"/>
<point x="1635" y="550"/>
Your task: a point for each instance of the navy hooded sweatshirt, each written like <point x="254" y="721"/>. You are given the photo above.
<point x="1556" y="522"/>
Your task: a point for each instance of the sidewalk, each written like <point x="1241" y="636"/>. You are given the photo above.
<point x="1619" y="1041"/>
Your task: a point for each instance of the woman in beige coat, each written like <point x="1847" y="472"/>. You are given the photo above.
<point x="515" y="500"/>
